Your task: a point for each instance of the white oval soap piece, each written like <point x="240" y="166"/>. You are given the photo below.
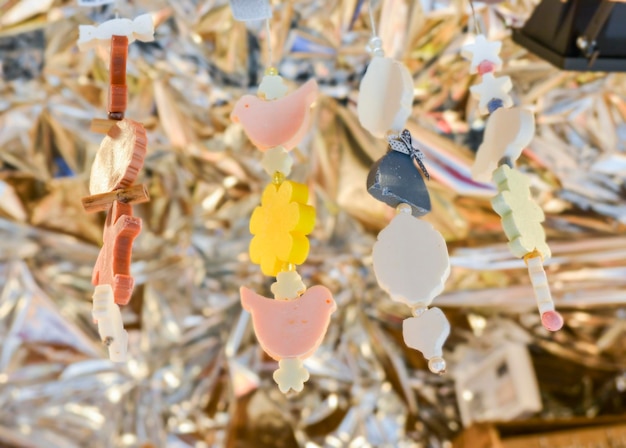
<point x="427" y="332"/>
<point x="507" y="133"/>
<point x="411" y="260"/>
<point x="385" y="96"/>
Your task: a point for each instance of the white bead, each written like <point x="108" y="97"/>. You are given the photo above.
<point x="376" y="42"/>
<point x="507" y="133"/>
<point x="288" y="286"/>
<point x="492" y="88"/>
<point x="411" y="260"/>
<point x="277" y="159"/>
<point x="521" y="216"/>
<point x="404" y="208"/>
<point x="437" y="365"/>
<point x="482" y="50"/>
<point x="142" y="28"/>
<point x="272" y="87"/>
<point x="106" y="313"/>
<point x="385" y="96"/>
<point x="427" y="333"/>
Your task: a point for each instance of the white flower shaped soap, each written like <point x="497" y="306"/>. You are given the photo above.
<point x="411" y="260"/>
<point x="288" y="286"/>
<point x="272" y="87"/>
<point x="521" y="216"/>
<point x="385" y="99"/>
<point x="507" y="133"/>
<point x="492" y="93"/>
<point x="291" y="374"/>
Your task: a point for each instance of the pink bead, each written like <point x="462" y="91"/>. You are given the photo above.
<point x="552" y="321"/>
<point x="486" y="67"/>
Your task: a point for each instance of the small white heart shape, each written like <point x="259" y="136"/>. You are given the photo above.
<point x="427" y="332"/>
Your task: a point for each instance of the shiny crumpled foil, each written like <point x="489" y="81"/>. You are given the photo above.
<point x="197" y="376"/>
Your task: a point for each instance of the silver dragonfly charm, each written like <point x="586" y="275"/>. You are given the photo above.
<point x="404" y="143"/>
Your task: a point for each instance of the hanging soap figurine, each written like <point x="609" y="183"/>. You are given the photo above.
<point x="292" y="325"/>
<point x="508" y="131"/>
<point x="410" y="258"/>
<point x="115" y="169"/>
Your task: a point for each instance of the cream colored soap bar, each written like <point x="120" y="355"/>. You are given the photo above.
<point x="411" y="260"/>
<point x="521" y="216"/>
<point x="385" y="96"/>
<point x="507" y="133"/>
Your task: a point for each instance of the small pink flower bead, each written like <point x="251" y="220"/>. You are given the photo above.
<point x="552" y="321"/>
<point x="486" y="67"/>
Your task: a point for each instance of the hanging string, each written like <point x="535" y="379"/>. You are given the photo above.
<point x="372" y="21"/>
<point x="268" y="41"/>
<point x="475" y="19"/>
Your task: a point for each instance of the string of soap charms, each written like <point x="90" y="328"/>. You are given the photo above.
<point x="508" y="131"/>
<point x="292" y="325"/>
<point x="410" y="257"/>
<point x="118" y="161"/>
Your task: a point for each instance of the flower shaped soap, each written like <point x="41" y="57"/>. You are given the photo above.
<point x="280" y="225"/>
<point x="521" y="217"/>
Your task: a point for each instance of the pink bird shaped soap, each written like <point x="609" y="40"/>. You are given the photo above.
<point x="290" y="328"/>
<point x="281" y="122"/>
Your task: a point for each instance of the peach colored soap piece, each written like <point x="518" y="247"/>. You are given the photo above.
<point x="507" y="133"/>
<point x="281" y="122"/>
<point x="113" y="263"/>
<point x="290" y="328"/>
<point x="119" y="158"/>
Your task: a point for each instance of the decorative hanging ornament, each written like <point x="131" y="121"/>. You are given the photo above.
<point x="292" y="325"/>
<point x="116" y="166"/>
<point x="410" y="258"/>
<point x="508" y="131"/>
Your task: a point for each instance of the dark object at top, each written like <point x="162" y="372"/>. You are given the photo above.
<point x="578" y="35"/>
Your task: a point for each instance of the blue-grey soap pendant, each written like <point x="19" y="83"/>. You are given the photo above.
<point x="395" y="179"/>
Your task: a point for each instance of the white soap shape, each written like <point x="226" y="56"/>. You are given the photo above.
<point x="272" y="87"/>
<point x="507" y="133"/>
<point x="277" y="159"/>
<point x="492" y="88"/>
<point x="288" y="285"/>
<point x="106" y="313"/>
<point x="427" y="332"/>
<point x="411" y="260"/>
<point x="141" y="28"/>
<point x="482" y="50"/>
<point x="385" y="99"/>
<point x="521" y="216"/>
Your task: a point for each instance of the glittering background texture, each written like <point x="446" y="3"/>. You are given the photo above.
<point x="196" y="376"/>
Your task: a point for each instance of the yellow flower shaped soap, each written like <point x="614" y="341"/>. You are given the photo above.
<point x="280" y="225"/>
